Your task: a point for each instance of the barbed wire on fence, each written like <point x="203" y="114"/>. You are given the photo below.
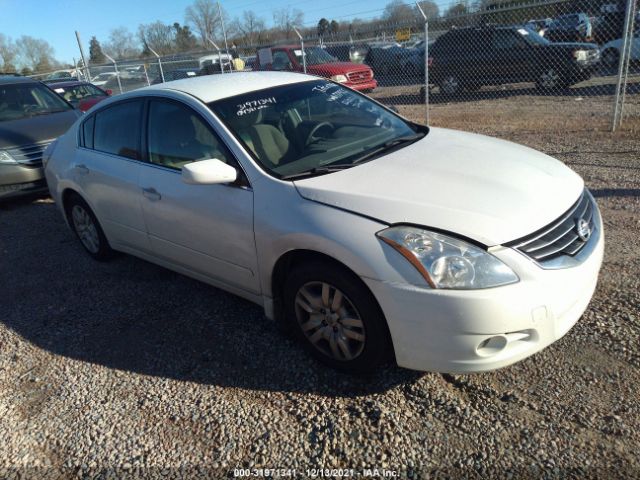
<point x="539" y="48"/>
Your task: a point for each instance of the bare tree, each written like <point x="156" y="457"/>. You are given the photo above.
<point x="158" y="37"/>
<point x="286" y="18"/>
<point x="204" y="17"/>
<point x="8" y="53"/>
<point x="250" y="27"/>
<point x="121" y="44"/>
<point x="35" y="53"/>
<point x="430" y="9"/>
<point x="398" y="12"/>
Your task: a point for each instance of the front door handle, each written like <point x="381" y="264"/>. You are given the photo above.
<point x="151" y="193"/>
<point x="82" y="169"/>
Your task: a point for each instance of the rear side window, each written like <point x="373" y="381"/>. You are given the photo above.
<point x="117" y="130"/>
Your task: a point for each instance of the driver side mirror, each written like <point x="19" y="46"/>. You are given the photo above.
<point x="208" y="172"/>
<point x="109" y="92"/>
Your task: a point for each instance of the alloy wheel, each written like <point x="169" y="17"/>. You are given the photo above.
<point x="330" y="321"/>
<point x="85" y="228"/>
<point x="450" y="85"/>
<point x="550" y="78"/>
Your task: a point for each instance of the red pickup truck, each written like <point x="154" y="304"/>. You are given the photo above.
<point x="319" y="63"/>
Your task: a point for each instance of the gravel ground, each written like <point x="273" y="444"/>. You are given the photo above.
<point x="125" y="369"/>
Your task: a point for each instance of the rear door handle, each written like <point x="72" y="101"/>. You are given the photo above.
<point x="82" y="169"/>
<point x="151" y="193"/>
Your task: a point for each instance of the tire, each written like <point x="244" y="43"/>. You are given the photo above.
<point x="85" y="225"/>
<point x="450" y="85"/>
<point x="610" y="58"/>
<point x="552" y="79"/>
<point x="318" y="298"/>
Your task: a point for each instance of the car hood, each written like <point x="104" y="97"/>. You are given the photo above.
<point x="485" y="189"/>
<point x="15" y="133"/>
<point x="334" y="68"/>
<point x="573" y="46"/>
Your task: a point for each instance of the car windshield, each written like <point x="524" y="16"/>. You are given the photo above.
<point x="312" y="128"/>
<point x="532" y="37"/>
<point x="314" y="56"/>
<point x="24" y="100"/>
<point x="566" y="22"/>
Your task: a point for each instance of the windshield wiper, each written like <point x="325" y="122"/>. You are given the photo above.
<point x="388" y="145"/>
<point x="313" y="172"/>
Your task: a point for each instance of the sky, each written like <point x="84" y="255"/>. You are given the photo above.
<point x="56" y="21"/>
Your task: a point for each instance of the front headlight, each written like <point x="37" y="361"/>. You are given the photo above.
<point x="6" y="158"/>
<point x="339" y="78"/>
<point x="580" y="55"/>
<point x="446" y="262"/>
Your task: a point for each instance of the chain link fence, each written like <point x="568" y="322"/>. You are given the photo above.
<point x="513" y="65"/>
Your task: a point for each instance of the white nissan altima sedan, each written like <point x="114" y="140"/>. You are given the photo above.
<point x="371" y="236"/>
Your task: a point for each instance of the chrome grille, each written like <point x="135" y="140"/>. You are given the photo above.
<point x="561" y="237"/>
<point x="29" y="154"/>
<point x="360" y="76"/>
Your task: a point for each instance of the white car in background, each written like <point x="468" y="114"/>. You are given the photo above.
<point x="371" y="236"/>
<point x="611" y="51"/>
<point x="102" y="78"/>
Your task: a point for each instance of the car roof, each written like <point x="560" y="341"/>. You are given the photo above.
<point x="70" y="83"/>
<point x="210" y="88"/>
<point x="10" y="78"/>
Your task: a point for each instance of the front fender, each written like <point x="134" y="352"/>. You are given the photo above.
<point x="289" y="222"/>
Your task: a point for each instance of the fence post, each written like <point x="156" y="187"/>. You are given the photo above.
<point x="115" y="67"/>
<point x="224" y="30"/>
<point x="629" y="44"/>
<point x="159" y="62"/>
<point x="219" y="54"/>
<point x="304" y="56"/>
<point x="84" y="61"/>
<point x="146" y="75"/>
<point x="623" y="66"/>
<point x="426" y="62"/>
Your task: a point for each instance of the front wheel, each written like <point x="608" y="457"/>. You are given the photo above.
<point x="610" y="58"/>
<point x="336" y="317"/>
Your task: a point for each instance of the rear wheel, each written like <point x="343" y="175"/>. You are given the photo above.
<point x="86" y="227"/>
<point x="552" y="79"/>
<point x="450" y="85"/>
<point x="336" y="317"/>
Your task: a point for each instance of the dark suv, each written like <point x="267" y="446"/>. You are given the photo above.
<point x="475" y="56"/>
<point x="31" y="117"/>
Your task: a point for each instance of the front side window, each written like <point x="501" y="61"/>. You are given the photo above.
<point x="280" y="60"/>
<point x="306" y="127"/>
<point x="178" y="135"/>
<point x="24" y="100"/>
<point x="314" y="56"/>
<point x="117" y="129"/>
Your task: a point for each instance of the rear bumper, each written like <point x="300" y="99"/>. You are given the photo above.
<point x="17" y="180"/>
<point x="459" y="331"/>
<point x="370" y="85"/>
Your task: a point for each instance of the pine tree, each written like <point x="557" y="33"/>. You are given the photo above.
<point x="95" y="52"/>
